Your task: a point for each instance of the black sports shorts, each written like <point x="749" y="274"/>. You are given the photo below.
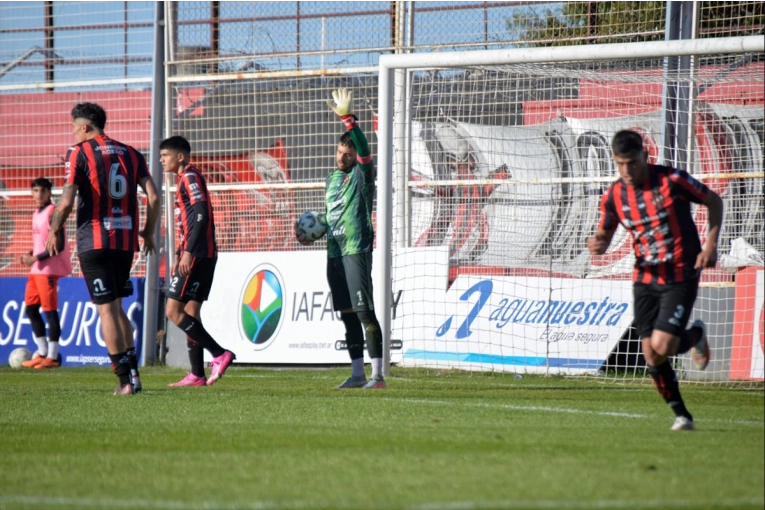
<point x="196" y="285"/>
<point x="107" y="274"/>
<point x="664" y="307"/>
<point x="350" y="281"/>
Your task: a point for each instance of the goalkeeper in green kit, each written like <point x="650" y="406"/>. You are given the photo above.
<point x="350" y="236"/>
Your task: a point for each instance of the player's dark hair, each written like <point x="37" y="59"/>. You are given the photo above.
<point x="42" y="182"/>
<point x="347" y="141"/>
<point x="626" y="142"/>
<point x="91" y="112"/>
<point x="176" y="143"/>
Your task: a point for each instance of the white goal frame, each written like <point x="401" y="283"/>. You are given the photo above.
<point x="391" y="99"/>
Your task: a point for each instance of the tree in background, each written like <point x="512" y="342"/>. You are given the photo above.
<point x="576" y="23"/>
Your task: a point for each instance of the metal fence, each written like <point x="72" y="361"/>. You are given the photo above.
<point x="247" y="83"/>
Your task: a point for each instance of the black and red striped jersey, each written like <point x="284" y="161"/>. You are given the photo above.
<point x="107" y="173"/>
<point x="194" y="215"/>
<point x="658" y="216"/>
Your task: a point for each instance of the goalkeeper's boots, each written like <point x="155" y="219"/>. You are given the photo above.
<point x="189" y="380"/>
<point x="48" y="363"/>
<point x="219" y="366"/>
<point x="124" y="389"/>
<point x="683" y="423"/>
<point x="32" y="363"/>
<point x="375" y="383"/>
<point x="353" y="382"/>
<point x="700" y="352"/>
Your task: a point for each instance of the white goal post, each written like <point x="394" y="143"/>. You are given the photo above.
<point x="418" y="132"/>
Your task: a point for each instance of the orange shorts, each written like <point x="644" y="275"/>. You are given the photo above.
<point x="42" y="290"/>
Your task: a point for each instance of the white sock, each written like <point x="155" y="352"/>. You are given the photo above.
<point x="376" y="367"/>
<point x="53" y="350"/>
<point x="357" y="365"/>
<point x="42" y="345"/>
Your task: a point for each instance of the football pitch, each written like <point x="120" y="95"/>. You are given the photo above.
<point x="269" y="439"/>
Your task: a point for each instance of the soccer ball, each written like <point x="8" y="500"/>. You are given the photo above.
<point x="18" y="356"/>
<point x="313" y="225"/>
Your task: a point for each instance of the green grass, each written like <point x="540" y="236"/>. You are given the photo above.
<point x="263" y="438"/>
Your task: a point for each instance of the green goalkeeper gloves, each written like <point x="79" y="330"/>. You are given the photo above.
<point x="342" y="106"/>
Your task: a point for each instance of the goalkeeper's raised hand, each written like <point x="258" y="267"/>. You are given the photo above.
<point x="341" y="105"/>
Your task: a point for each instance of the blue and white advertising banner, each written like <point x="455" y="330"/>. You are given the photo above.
<point x="518" y="324"/>
<point x="81" y="341"/>
<point x="275" y="307"/>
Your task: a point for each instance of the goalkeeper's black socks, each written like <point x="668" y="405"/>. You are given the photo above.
<point x="194" y="329"/>
<point x="196" y="357"/>
<point x="354" y="335"/>
<point x="665" y="380"/>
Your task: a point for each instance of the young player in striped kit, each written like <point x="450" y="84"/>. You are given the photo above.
<point x="42" y="285"/>
<point x="654" y="204"/>
<point x="191" y="276"/>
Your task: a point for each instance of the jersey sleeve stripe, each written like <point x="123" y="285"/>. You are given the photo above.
<point x="96" y="187"/>
<point x="690" y="185"/>
<point x="71" y="176"/>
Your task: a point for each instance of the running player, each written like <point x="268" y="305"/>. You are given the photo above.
<point x="191" y="276"/>
<point x="42" y="285"/>
<point x="106" y="174"/>
<point x="654" y="204"/>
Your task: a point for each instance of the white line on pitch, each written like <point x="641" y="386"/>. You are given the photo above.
<point x="567" y="504"/>
<point x="525" y="408"/>
<point x="568" y="410"/>
<point x="59" y="501"/>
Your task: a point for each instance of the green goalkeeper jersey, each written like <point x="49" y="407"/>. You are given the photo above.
<point x="349" y="198"/>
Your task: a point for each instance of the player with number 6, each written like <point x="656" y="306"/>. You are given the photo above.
<point x="106" y="174"/>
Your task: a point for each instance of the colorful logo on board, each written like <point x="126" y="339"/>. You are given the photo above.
<point x="262" y="304"/>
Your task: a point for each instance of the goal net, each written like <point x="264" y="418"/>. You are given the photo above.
<point x="497" y="162"/>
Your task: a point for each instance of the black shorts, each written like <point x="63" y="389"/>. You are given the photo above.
<point x="196" y="285"/>
<point x="107" y="274"/>
<point x="664" y="307"/>
<point x="350" y="281"/>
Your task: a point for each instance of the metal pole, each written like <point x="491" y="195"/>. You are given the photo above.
<point x="400" y="190"/>
<point x="171" y="17"/>
<point x="125" y="40"/>
<point x="592" y="22"/>
<point x="297" y="34"/>
<point x="323" y="40"/>
<point x="49" y="44"/>
<point x="382" y="270"/>
<point x="669" y="93"/>
<point x="214" y="36"/>
<point x="650" y="49"/>
<point x="693" y="91"/>
<point x="151" y="291"/>
<point x="486" y="25"/>
<point x="683" y="120"/>
<point x="408" y="126"/>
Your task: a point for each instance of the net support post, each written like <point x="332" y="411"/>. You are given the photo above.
<point x="385" y="206"/>
<point x="170" y="45"/>
<point x="151" y="291"/>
